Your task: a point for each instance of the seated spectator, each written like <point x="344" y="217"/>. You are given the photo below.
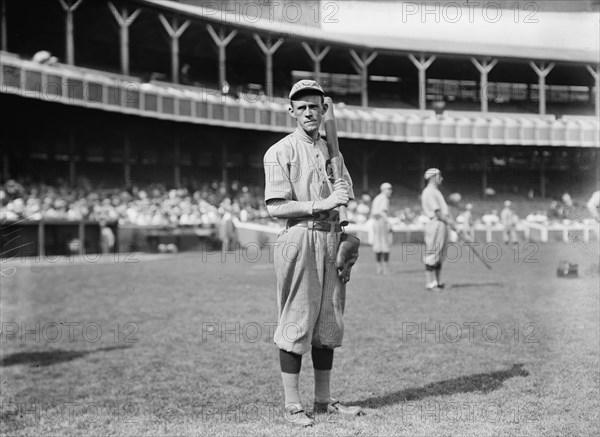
<point x="491" y="218"/>
<point x="537" y="217"/>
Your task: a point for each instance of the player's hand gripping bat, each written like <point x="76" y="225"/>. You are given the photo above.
<point x="333" y="146"/>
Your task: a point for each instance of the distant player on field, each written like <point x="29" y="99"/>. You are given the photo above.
<point x="593" y="205"/>
<point x="508" y="218"/>
<point x="382" y="235"/>
<point x="437" y="229"/>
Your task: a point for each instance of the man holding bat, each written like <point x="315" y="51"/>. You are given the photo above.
<point x="311" y="290"/>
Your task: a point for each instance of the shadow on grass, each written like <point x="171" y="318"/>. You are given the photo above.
<point x="477" y="284"/>
<point x="48" y="358"/>
<point x="481" y="382"/>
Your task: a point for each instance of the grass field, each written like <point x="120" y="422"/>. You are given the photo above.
<point x="120" y="347"/>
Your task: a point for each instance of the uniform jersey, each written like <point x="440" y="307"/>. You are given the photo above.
<point x="381" y="231"/>
<point x="295" y="169"/>
<point x="507" y="217"/>
<point x="432" y="200"/>
<point x="436" y="234"/>
<point x="381" y="206"/>
<point x="310" y="295"/>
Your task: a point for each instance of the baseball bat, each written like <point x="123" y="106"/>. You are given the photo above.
<point x="333" y="147"/>
<point x="477" y="254"/>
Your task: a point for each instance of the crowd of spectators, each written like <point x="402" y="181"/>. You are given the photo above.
<point x="151" y="205"/>
<point x="205" y="205"/>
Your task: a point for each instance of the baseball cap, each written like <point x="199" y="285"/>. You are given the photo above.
<point x="304" y="85"/>
<point x="385" y="186"/>
<point x="432" y="172"/>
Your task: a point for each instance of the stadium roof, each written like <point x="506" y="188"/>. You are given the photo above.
<point x="553" y="36"/>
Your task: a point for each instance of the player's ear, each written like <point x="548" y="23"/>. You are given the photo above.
<point x="291" y="110"/>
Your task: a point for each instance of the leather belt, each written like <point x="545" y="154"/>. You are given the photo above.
<point x="316" y="225"/>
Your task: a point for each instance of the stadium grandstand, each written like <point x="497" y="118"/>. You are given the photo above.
<point x="188" y="93"/>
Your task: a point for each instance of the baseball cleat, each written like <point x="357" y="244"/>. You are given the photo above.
<point x="433" y="288"/>
<point x="334" y="407"/>
<point x="295" y="415"/>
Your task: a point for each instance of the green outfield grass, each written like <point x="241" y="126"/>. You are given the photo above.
<point x="137" y="348"/>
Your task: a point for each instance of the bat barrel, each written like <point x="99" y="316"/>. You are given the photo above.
<point x="333" y="146"/>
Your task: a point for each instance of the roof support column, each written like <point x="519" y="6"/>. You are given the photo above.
<point x="543" y="174"/>
<point x="361" y="65"/>
<point x="3" y="25"/>
<point x="6" y="165"/>
<point x="176" y="167"/>
<point x="221" y="41"/>
<point x="542" y="71"/>
<point x="484" y="172"/>
<point x="596" y="75"/>
<point x="317" y="55"/>
<point x="422" y="159"/>
<point x="268" y="48"/>
<point x="175" y="31"/>
<point x="365" y="170"/>
<point x="69" y="8"/>
<point x="224" y="163"/>
<point x="124" y="20"/>
<point x="422" y="65"/>
<point x="484" y="68"/>
<point x="72" y="164"/>
<point x="127" y="160"/>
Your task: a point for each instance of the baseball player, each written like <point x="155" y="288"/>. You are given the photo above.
<point x="310" y="294"/>
<point x="593" y="205"/>
<point x="381" y="228"/>
<point x="437" y="229"/>
<point x="509" y="222"/>
<point x="467" y="222"/>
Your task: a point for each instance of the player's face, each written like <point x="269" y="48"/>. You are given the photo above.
<point x="308" y="112"/>
<point x="388" y="192"/>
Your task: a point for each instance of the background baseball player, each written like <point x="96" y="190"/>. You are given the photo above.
<point x="310" y="294"/>
<point x="466" y="222"/>
<point x="436" y="229"/>
<point x="508" y="218"/>
<point x="382" y="236"/>
<point x="593" y="205"/>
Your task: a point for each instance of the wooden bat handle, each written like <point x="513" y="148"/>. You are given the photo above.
<point x="333" y="146"/>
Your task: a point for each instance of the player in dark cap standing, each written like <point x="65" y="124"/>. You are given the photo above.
<point x="310" y="294"/>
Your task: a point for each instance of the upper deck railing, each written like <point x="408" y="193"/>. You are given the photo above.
<point x="162" y="100"/>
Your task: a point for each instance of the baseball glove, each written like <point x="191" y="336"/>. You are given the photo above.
<point x="347" y="254"/>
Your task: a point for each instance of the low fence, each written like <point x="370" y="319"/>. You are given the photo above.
<point x="250" y="233"/>
<point x="61" y="238"/>
<point x="51" y="238"/>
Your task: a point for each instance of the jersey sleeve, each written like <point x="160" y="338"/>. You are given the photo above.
<point x="277" y="174"/>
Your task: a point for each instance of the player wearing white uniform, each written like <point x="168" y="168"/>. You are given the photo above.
<point x="593" y="205"/>
<point x="508" y="218"/>
<point x="310" y="294"/>
<point x="381" y="228"/>
<point x="437" y="229"/>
